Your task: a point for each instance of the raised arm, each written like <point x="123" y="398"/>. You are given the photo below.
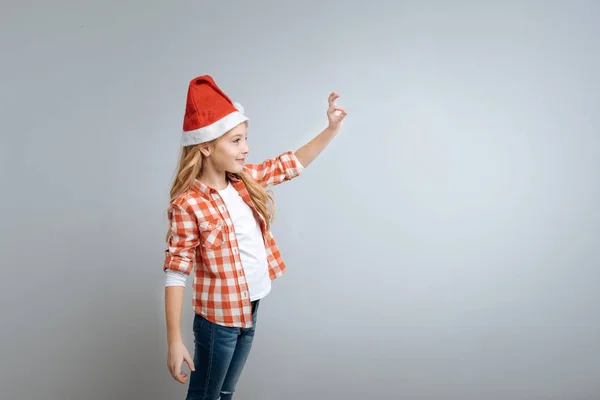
<point x="307" y="153"/>
<point x="288" y="165"/>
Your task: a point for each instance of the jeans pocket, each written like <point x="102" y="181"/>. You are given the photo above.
<point x="198" y="322"/>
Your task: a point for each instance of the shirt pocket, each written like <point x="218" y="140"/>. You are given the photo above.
<point x="211" y="233"/>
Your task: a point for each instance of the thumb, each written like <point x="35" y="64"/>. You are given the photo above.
<point x="189" y="361"/>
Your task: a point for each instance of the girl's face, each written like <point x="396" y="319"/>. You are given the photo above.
<point x="228" y="153"/>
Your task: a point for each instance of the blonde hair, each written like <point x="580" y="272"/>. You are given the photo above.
<point x="189" y="168"/>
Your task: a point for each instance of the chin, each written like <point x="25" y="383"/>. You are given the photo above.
<point x="237" y="168"/>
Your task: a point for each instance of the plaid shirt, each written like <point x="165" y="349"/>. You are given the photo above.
<point x="203" y="232"/>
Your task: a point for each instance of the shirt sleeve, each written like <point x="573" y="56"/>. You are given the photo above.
<point x="175" y="278"/>
<point x="181" y="250"/>
<point x="276" y="170"/>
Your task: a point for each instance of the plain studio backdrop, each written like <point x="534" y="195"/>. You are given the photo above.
<point x="444" y="246"/>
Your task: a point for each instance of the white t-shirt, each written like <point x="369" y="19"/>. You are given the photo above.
<point x="251" y="245"/>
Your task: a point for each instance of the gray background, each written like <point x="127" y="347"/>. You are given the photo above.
<point x="442" y="247"/>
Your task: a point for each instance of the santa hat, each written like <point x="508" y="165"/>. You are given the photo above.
<point x="209" y="113"/>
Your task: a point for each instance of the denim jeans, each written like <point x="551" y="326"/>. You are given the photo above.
<point x="220" y="353"/>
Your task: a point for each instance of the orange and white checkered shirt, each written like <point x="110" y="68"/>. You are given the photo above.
<point x="203" y="235"/>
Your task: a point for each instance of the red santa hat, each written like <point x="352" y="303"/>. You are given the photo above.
<point x="209" y="113"/>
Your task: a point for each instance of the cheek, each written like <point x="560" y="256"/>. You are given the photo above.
<point x="227" y="153"/>
<point x="232" y="151"/>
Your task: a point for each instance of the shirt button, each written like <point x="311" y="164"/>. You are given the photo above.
<point x="244" y="295"/>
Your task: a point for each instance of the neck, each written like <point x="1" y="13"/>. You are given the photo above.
<point x="214" y="179"/>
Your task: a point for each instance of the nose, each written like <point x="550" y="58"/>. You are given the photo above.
<point x="246" y="149"/>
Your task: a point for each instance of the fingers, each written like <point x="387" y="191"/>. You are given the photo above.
<point x="176" y="373"/>
<point x="333" y="108"/>
<point x="182" y="377"/>
<point x="333" y="97"/>
<point x="337" y="111"/>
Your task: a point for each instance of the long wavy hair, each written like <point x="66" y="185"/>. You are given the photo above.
<point x="189" y="168"/>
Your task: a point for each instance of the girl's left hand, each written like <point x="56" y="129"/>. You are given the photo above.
<point x="335" y="114"/>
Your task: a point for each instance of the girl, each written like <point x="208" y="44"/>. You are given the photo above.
<point x="220" y="217"/>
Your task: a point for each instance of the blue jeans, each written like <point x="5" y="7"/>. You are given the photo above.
<point x="220" y="353"/>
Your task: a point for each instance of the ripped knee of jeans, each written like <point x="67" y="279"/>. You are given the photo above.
<point x="223" y="392"/>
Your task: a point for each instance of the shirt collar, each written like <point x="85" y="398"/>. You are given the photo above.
<point x="206" y="190"/>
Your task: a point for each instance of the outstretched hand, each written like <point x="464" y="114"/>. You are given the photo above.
<point x="335" y="114"/>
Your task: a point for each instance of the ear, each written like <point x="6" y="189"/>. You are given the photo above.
<point x="205" y="149"/>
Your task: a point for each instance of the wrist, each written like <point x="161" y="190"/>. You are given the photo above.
<point x="333" y="129"/>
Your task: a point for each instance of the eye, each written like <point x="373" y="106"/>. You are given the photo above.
<point x="236" y="141"/>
